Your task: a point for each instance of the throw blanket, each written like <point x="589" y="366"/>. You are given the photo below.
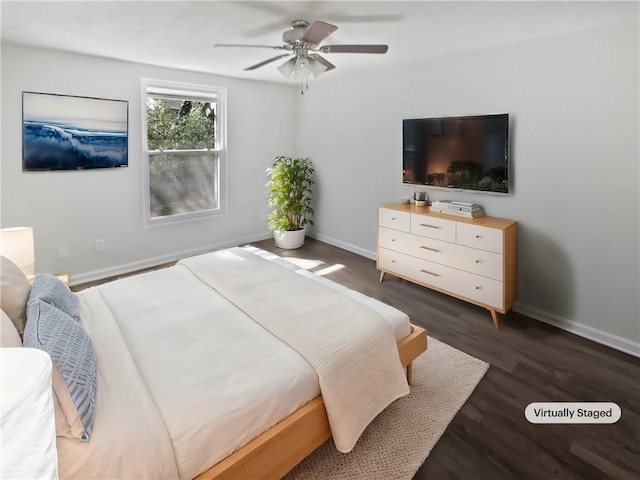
<point x="351" y="348"/>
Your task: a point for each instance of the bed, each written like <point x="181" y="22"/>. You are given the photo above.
<point x="232" y="364"/>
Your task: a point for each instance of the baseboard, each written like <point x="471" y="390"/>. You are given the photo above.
<point x="599" y="336"/>
<point x="155" y="261"/>
<point x="346" y="246"/>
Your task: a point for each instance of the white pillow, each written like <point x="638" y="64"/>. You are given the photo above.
<point x="8" y="334"/>
<point x="27" y="415"/>
<point x="14" y="293"/>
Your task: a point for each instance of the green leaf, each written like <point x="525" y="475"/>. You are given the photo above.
<point x="188" y="127"/>
<point x="289" y="193"/>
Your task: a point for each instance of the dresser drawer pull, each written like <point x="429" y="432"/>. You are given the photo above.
<point x="478" y="236"/>
<point x="430" y="226"/>
<point x="478" y="288"/>
<point x="429" y="273"/>
<point x="477" y="261"/>
<point x="394" y="218"/>
<point x="430" y="249"/>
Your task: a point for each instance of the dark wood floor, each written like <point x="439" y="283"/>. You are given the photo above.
<point x="530" y="362"/>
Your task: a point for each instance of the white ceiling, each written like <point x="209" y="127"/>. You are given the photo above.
<point x="181" y="34"/>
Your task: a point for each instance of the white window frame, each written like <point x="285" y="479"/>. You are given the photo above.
<point x="197" y="92"/>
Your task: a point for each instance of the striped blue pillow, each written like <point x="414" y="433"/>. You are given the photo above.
<point x="67" y="342"/>
<point x="51" y="289"/>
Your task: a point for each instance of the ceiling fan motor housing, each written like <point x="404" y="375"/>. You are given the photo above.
<point x="298" y="28"/>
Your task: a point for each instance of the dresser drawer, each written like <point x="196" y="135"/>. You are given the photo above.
<point x="415" y="269"/>
<point x="433" y="227"/>
<point x="433" y="250"/>
<point x="394" y="239"/>
<point x="394" y="219"/>
<point x="480" y="289"/>
<point x="467" y="259"/>
<point x="480" y="262"/>
<point x="474" y="287"/>
<point x="421" y="247"/>
<point x="475" y="236"/>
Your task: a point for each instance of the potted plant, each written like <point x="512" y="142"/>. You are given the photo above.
<point x="289" y="194"/>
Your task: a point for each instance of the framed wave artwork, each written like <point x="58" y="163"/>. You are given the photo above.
<point x="64" y="132"/>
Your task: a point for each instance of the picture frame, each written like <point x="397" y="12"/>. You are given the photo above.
<point x="67" y="132"/>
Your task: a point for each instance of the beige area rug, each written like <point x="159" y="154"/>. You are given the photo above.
<point x="397" y="442"/>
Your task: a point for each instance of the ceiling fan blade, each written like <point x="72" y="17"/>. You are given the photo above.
<point x="323" y="61"/>
<point x="317" y="32"/>
<point x="375" y="18"/>
<point x="354" y="48"/>
<point x="273" y="47"/>
<point x="258" y="65"/>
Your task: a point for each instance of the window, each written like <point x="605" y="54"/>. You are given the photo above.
<point x="183" y="151"/>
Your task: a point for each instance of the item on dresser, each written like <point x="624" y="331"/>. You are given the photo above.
<point x="461" y="209"/>
<point x="473" y="259"/>
<point x="420" y="198"/>
<point x="420" y="195"/>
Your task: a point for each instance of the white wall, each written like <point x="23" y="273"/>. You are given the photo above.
<point x="75" y="208"/>
<point x="575" y="154"/>
<point x="575" y="120"/>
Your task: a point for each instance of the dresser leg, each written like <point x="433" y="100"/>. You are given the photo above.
<point x="494" y="317"/>
<point x="409" y="373"/>
<point x="381" y="276"/>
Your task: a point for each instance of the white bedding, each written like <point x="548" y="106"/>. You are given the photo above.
<point x="127" y="428"/>
<point x="351" y="348"/>
<point x="182" y="378"/>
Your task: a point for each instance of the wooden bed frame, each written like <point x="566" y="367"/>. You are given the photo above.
<point x="275" y="452"/>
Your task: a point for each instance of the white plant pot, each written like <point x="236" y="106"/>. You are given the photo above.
<point x="289" y="239"/>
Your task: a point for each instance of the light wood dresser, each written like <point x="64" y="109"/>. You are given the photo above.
<point x="471" y="259"/>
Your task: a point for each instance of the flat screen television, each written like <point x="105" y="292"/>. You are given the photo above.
<point x="467" y="153"/>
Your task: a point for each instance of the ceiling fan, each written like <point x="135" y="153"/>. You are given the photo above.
<point x="301" y="44"/>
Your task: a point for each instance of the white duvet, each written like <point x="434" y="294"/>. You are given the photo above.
<point x="184" y="378"/>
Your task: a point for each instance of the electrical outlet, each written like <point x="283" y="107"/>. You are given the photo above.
<point x="63" y="252"/>
<point x="100" y="245"/>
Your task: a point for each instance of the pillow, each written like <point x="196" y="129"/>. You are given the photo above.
<point x="8" y="334"/>
<point x="14" y="293"/>
<point x="68" y="422"/>
<point x="66" y="341"/>
<point x="52" y="290"/>
<point x="29" y="443"/>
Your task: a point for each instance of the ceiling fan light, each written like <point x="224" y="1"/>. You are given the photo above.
<point x="288" y="68"/>
<point x="316" y="67"/>
<point x="302" y="68"/>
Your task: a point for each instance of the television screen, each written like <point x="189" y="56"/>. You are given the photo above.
<point x="457" y="152"/>
<point x="64" y="132"/>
